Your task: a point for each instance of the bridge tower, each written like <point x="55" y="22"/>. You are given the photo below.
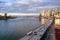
<point x="5" y="16"/>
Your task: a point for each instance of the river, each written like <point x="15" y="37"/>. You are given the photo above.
<point x="14" y="29"/>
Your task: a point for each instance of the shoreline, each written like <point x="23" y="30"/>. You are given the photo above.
<point x="8" y="17"/>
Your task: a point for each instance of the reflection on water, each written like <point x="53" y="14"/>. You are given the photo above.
<point x="57" y="21"/>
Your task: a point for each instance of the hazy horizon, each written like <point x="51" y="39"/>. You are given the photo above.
<point x="21" y="14"/>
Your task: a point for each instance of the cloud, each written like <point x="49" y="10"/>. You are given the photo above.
<point x="8" y="4"/>
<point x="28" y="5"/>
<point x="22" y="2"/>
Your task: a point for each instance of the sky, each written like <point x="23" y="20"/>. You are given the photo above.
<point x="27" y="6"/>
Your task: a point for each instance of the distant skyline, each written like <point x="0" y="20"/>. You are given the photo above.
<point x="27" y="6"/>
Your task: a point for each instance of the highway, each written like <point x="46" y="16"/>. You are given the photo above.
<point x="39" y="32"/>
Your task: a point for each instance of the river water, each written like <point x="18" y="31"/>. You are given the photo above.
<point x="14" y="29"/>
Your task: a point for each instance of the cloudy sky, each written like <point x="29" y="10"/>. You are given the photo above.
<point x="27" y="6"/>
